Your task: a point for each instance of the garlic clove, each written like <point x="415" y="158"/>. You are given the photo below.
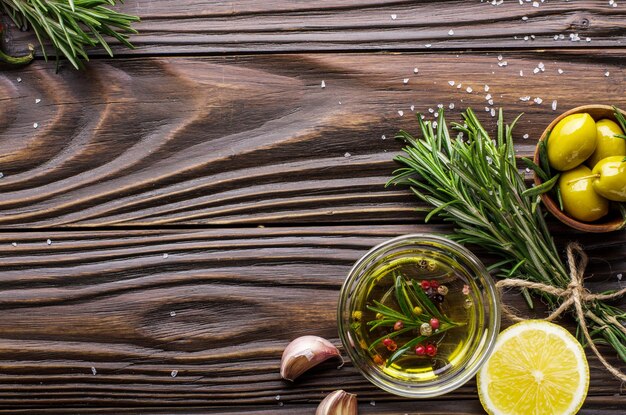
<point x="305" y="352"/>
<point x="338" y="403"/>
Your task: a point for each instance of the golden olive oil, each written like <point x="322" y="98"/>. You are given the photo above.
<point x="459" y="305"/>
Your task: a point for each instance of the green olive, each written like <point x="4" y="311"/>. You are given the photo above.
<point x="580" y="201"/>
<point x="609" y="178"/>
<point x="571" y="141"/>
<point x="606" y="143"/>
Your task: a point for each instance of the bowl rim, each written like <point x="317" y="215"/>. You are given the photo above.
<point x="609" y="226"/>
<point x="492" y="323"/>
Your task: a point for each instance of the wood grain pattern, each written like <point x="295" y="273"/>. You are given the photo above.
<point x="194" y="27"/>
<point x="254" y="139"/>
<point x="104" y="300"/>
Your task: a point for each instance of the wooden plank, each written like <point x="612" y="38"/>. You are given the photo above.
<point x="193" y="27"/>
<point x="255" y="139"/>
<point x="219" y="309"/>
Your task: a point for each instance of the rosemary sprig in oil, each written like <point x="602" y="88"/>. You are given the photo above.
<point x="417" y="314"/>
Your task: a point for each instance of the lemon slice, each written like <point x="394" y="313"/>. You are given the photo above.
<point x="536" y="368"/>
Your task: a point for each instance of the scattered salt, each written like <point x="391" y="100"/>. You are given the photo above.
<point x="405" y="81"/>
<point x="49" y="242"/>
<point x="400" y="113"/>
<point x="384" y="137"/>
<point x="554" y="103"/>
<point x="94" y="371"/>
<point x="14" y="243"/>
<point x="486" y="88"/>
<point x="538" y="100"/>
<point x="19" y="79"/>
<point x="277" y="397"/>
<point x="37" y="100"/>
<point x="469" y="89"/>
<point x="450" y="32"/>
<point x="488" y="97"/>
<point x="323" y="84"/>
<point x="35" y="125"/>
<point x="535" y="4"/>
<point x="619" y="277"/>
<point x="415" y="70"/>
<point x="499" y="57"/>
<point x="451" y="106"/>
<point x="165" y="256"/>
<point x="174" y="373"/>
<point x="526" y="98"/>
<point x="521" y="73"/>
<point x="525" y="136"/>
<point x="394" y="16"/>
<point x="346" y="155"/>
<point x="524" y="18"/>
<point x="536" y="70"/>
<point x="172" y="313"/>
<point x="451" y="83"/>
<point x="493" y="114"/>
<point x="560" y="71"/>
<point x="428" y="45"/>
<point x="607" y="73"/>
<point x="412" y="107"/>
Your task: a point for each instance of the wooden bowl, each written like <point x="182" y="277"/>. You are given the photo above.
<point x="611" y="222"/>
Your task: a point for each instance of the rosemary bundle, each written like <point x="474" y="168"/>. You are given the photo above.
<point x="473" y="182"/>
<point x="70" y="25"/>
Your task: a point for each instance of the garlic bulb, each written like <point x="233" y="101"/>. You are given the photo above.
<point x="305" y="352"/>
<point x="338" y="403"/>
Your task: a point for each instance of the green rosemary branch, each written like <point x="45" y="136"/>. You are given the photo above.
<point x="415" y="310"/>
<point x="474" y="183"/>
<point x="71" y="25"/>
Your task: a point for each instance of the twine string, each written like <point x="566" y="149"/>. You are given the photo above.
<point x="574" y="295"/>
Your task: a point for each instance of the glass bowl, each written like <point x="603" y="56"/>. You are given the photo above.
<point x="472" y="300"/>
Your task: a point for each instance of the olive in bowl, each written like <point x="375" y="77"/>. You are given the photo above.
<point x="572" y="146"/>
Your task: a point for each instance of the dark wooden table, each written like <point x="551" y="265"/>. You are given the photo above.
<point x="171" y="218"/>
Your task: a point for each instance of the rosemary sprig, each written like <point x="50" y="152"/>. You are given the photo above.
<point x="409" y="296"/>
<point x="71" y="25"/>
<point x="475" y="184"/>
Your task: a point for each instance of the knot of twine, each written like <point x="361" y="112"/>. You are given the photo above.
<point x="575" y="294"/>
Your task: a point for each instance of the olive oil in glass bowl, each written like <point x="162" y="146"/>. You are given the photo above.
<point x="418" y="315"/>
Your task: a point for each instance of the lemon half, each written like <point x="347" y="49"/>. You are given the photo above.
<point x="536" y="368"/>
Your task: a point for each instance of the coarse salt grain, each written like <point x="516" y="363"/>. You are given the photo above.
<point x="19" y="79"/>
<point x="451" y="83"/>
<point x="14" y="243"/>
<point x="165" y="256"/>
<point x="488" y="97"/>
<point x="486" y="88"/>
<point x="93" y="371"/>
<point x="521" y="73"/>
<point x="172" y="313"/>
<point x="37" y="100"/>
<point x="428" y="45"/>
<point x="538" y="100"/>
<point x="450" y="32"/>
<point x="394" y="16"/>
<point x="415" y="70"/>
<point x="35" y="125"/>
<point x="459" y="85"/>
<point x="493" y="114"/>
<point x="619" y="277"/>
<point x="49" y="241"/>
<point x="174" y="373"/>
<point x="525" y="136"/>
<point x="560" y="71"/>
<point x="607" y="73"/>
<point x="384" y="137"/>
<point x="405" y="81"/>
<point x="323" y="84"/>
<point x="554" y="104"/>
<point x="412" y="107"/>
<point x="536" y="70"/>
<point x="346" y="154"/>
<point x="526" y="98"/>
<point x="499" y="57"/>
<point x="535" y="4"/>
<point x="469" y="89"/>
<point x="451" y="106"/>
<point x="400" y="113"/>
